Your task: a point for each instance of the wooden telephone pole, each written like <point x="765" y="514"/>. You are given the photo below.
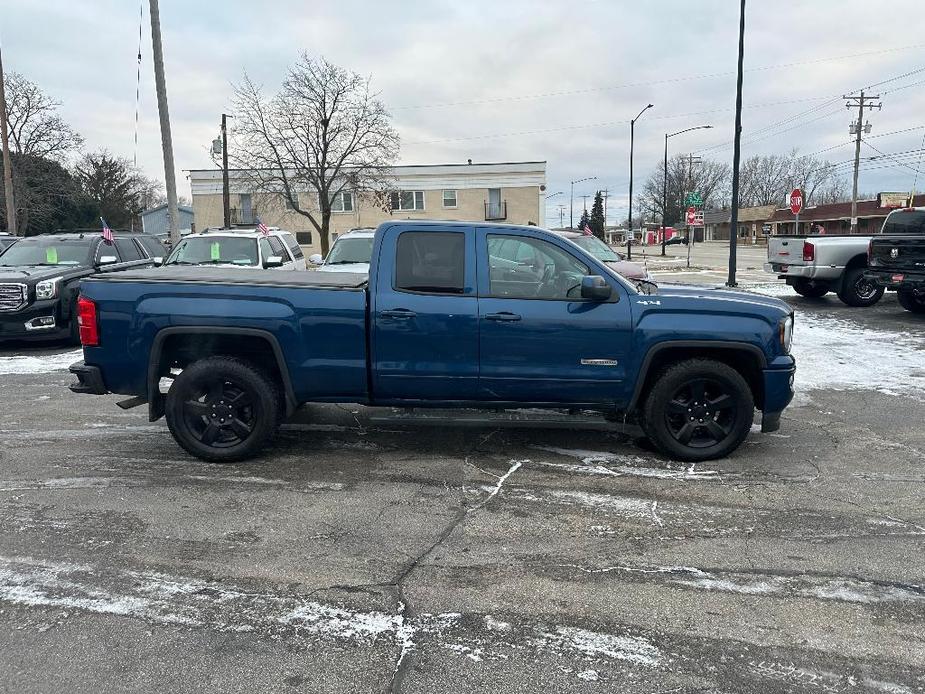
<point x="859" y="102"/>
<point x="170" y="176"/>
<point x="7" y="166"/>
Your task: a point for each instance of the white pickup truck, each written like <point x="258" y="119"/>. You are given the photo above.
<point x="817" y="265"/>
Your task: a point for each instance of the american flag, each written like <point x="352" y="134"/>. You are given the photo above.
<point x="587" y="230"/>
<point x="107" y="232"/>
<point x="262" y="228"/>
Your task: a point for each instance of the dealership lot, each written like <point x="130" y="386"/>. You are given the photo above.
<point x="376" y="550"/>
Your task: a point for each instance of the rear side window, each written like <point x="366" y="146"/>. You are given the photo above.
<point x="128" y="250"/>
<point x="293" y="246"/>
<point x="912" y="222"/>
<point x="431" y="262"/>
<point x="152" y="246"/>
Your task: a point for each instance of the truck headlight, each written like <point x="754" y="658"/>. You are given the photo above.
<point x="786" y="333"/>
<point x="47" y="289"/>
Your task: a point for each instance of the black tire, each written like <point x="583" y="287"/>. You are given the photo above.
<point x="910" y="301"/>
<point x="809" y="289"/>
<point x="859" y="291"/>
<point x="222" y="409"/>
<point x="679" y="415"/>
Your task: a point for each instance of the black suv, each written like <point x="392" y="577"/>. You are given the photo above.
<point x="896" y="257"/>
<point x="39" y="278"/>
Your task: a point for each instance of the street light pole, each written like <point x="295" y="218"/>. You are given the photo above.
<point x="226" y="192"/>
<point x="631" y="235"/>
<point x="736" y="154"/>
<point x="7" y="166"/>
<point x="665" y="184"/>
<point x="571" y="213"/>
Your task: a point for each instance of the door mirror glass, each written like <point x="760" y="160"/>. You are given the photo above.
<point x="108" y="259"/>
<point x="315" y="259"/>
<point x="595" y="287"/>
<point x="273" y="261"/>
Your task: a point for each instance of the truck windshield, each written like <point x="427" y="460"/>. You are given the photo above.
<point x="38" y="251"/>
<point x="215" y="250"/>
<point x="348" y="250"/>
<point x="597" y="248"/>
<point x="911" y="222"/>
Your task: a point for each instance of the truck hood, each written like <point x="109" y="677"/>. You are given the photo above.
<point x="35" y="273"/>
<point x="719" y="299"/>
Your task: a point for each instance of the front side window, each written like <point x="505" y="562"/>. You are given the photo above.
<point x="215" y="250"/>
<point x="404" y="200"/>
<point x="39" y="251"/>
<point x="520" y="267"/>
<point x="431" y="262"/>
<point x="449" y="198"/>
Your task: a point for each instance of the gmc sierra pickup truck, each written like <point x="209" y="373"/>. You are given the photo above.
<point x="817" y="265"/>
<point x="897" y="257"/>
<point x="442" y="320"/>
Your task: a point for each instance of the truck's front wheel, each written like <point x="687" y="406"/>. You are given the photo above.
<point x="858" y="290"/>
<point x="699" y="409"/>
<point x="222" y="409"/>
<point x="910" y="301"/>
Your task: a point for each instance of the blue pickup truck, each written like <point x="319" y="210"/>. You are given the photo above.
<point x="450" y="315"/>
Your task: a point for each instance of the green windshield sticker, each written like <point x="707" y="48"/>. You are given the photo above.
<point x="51" y="255"/>
<point x="216" y="251"/>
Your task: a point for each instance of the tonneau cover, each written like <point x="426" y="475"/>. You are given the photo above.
<point x="214" y="275"/>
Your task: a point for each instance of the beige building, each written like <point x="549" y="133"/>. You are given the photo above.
<point x="497" y="192"/>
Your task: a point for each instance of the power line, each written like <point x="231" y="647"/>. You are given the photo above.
<point x="672" y="80"/>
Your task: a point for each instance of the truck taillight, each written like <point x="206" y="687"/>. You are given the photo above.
<point x="809" y="252"/>
<point x="87" y="323"/>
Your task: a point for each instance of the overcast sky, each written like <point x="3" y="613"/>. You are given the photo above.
<point x="490" y="80"/>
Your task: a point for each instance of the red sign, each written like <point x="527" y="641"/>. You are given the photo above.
<point x="796" y="200"/>
<point x="691" y="216"/>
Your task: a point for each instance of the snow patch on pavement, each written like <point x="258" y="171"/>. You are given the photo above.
<point x="593" y="463"/>
<point x="41" y="364"/>
<point x="593" y="644"/>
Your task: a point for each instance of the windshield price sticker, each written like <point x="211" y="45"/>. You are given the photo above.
<point x="215" y="251"/>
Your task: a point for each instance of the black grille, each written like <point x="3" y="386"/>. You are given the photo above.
<point x="12" y="297"/>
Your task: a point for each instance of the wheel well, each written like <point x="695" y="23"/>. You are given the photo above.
<point x="177" y="351"/>
<point x="857" y="261"/>
<point x="742" y="360"/>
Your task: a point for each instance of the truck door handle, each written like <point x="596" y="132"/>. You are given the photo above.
<point x="504" y="316"/>
<point x="401" y="313"/>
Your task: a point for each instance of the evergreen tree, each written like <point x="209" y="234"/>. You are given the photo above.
<point x="597" y="216"/>
<point x="585" y="219"/>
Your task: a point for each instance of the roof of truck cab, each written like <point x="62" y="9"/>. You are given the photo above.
<point x="253" y="277"/>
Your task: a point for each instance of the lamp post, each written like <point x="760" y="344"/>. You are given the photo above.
<point x="665" y="183"/>
<point x="631" y="235"/>
<point x="571" y="212"/>
<point x="736" y="154"/>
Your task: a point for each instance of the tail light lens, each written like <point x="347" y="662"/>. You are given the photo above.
<point x="87" y="323"/>
<point x="809" y="252"/>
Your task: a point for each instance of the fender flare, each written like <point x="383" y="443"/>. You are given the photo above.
<point x="646" y="366"/>
<point x="156" y="400"/>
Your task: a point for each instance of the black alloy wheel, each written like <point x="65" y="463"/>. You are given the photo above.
<point x="858" y="290"/>
<point x="222" y="415"/>
<point x="701" y="413"/>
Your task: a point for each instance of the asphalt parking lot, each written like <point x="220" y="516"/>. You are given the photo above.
<point x="378" y="551"/>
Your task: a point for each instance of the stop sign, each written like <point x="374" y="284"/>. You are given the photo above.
<point x="691" y="216"/>
<point x="796" y="200"/>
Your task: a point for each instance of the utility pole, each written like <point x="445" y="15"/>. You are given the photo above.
<point x="856" y="129"/>
<point x="605" y="194"/>
<point x="736" y="155"/>
<point x="170" y="177"/>
<point x="584" y="202"/>
<point x="7" y="166"/>
<point x="226" y="193"/>
<point x="561" y="214"/>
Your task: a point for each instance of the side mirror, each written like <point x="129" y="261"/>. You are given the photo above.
<point x="157" y="260"/>
<point x="108" y="260"/>
<point x="316" y="259"/>
<point x="595" y="287"/>
<point x="273" y="261"/>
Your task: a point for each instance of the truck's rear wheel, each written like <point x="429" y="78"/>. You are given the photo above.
<point x="857" y="290"/>
<point x="909" y="301"/>
<point x="810" y="289"/>
<point x="699" y="409"/>
<point x="222" y="409"/>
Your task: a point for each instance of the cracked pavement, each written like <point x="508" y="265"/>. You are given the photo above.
<point x="381" y="551"/>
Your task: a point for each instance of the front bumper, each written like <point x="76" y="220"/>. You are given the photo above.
<point x="778" y="392"/>
<point x="40" y="320"/>
<point x="89" y="379"/>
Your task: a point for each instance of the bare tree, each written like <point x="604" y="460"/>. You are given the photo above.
<point x="767" y="179"/>
<point x="324" y="132"/>
<point x="710" y="178"/>
<point x="120" y="190"/>
<point x="35" y="127"/>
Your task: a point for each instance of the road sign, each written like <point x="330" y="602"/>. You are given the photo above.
<point x="693" y="200"/>
<point x="796" y="200"/>
<point x="691" y="216"/>
<point x="698" y="219"/>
